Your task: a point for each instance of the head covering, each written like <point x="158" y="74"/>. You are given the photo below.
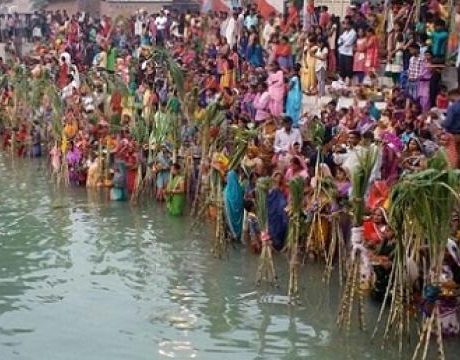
<point x="392" y="141"/>
<point x="417" y="140"/>
<point x="378" y="195"/>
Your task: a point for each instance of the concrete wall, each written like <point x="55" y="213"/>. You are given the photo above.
<point x="70" y="6"/>
<point x="114" y="9"/>
<point x="110" y="8"/>
<point x="336" y="7"/>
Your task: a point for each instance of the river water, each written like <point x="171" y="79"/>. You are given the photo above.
<point x="85" y="278"/>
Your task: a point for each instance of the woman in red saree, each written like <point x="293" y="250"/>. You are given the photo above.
<point x="131" y="164"/>
<point x="63" y="74"/>
<point x="283" y="53"/>
<point x="376" y="230"/>
<point x="21" y="139"/>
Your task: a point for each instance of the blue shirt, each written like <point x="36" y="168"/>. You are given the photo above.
<point x="452" y="122"/>
<point x="250" y="21"/>
<point x="438" y="46"/>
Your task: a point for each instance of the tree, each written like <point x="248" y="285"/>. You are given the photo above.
<point x="39" y="4"/>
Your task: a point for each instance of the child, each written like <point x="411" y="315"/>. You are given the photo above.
<point x="442" y="100"/>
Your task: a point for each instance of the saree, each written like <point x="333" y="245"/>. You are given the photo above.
<point x="175" y="203"/>
<point x="73" y="158"/>
<point x="234" y="204"/>
<point x="276" y="89"/>
<point x="118" y="192"/>
<point x="308" y="72"/>
<point x="277" y="217"/>
<point x="294" y="100"/>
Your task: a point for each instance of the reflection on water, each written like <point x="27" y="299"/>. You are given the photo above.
<point x="85" y="278"/>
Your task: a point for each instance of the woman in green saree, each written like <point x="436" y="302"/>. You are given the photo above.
<point x="175" y="192"/>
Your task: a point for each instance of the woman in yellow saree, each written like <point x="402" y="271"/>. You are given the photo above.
<point x="308" y="67"/>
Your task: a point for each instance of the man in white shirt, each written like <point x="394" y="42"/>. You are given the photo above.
<point x="346" y="42"/>
<point x="268" y="31"/>
<point x="230" y="30"/>
<point x="161" y="21"/>
<point x="286" y="137"/>
<point x="239" y="25"/>
<point x="349" y="159"/>
<point x="138" y="25"/>
<point x="251" y="20"/>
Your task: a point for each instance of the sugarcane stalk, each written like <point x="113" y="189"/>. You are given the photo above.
<point x="137" y="185"/>
<point x="65" y="170"/>
<point x="107" y="165"/>
<point x="428" y="333"/>
<point x="401" y="311"/>
<point x="331" y="253"/>
<point x="342" y="252"/>
<point x="355" y="279"/>
<point x="345" y="296"/>
<point x="362" y="322"/>
<point x="392" y="308"/>
<point x="385" y="299"/>
<point x="266" y="270"/>
<point x="441" y="355"/>
<point x="197" y="191"/>
<point x="422" y="335"/>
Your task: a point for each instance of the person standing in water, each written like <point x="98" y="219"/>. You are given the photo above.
<point x="175" y="192"/>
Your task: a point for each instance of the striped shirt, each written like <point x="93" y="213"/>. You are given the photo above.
<point x="415" y="68"/>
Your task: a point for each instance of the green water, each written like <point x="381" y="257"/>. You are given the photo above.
<point x="87" y="279"/>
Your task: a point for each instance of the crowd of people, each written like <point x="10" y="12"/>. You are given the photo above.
<point x="154" y="106"/>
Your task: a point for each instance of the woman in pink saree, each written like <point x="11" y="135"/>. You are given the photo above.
<point x="276" y="89"/>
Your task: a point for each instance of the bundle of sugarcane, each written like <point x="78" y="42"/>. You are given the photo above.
<point x="57" y="128"/>
<point x="107" y="180"/>
<point x="64" y="172"/>
<point x="148" y="182"/>
<point x="296" y="190"/>
<point x="115" y="83"/>
<point x="336" y="246"/>
<point x="242" y="140"/>
<point x="399" y="289"/>
<point x="221" y="243"/>
<point x="164" y="58"/>
<point x="189" y="170"/>
<point x="317" y="224"/>
<point x="174" y="133"/>
<point x="140" y="133"/>
<point x="360" y="182"/>
<point x="100" y="159"/>
<point x="190" y="103"/>
<point x="38" y="89"/>
<point x="315" y="243"/>
<point x="351" y="289"/>
<point x="358" y="265"/>
<point x="424" y="200"/>
<point x="212" y="113"/>
<point x="316" y="132"/>
<point x="266" y="269"/>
